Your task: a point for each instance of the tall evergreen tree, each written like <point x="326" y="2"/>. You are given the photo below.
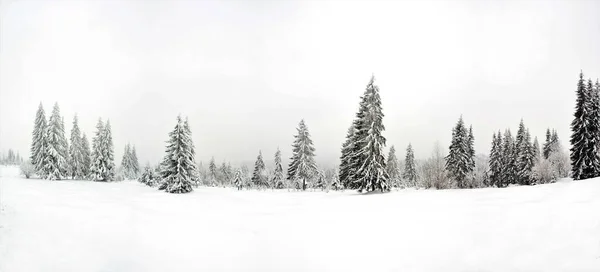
<point x="581" y="162"/>
<point x="258" y="176"/>
<point x="594" y="130"/>
<point x="525" y="160"/>
<point x="178" y="164"/>
<point x="86" y="155"/>
<point x="191" y="154"/>
<point x="495" y="172"/>
<point x="98" y="161"/>
<point x="38" y="141"/>
<point x="278" y="177"/>
<point x="471" y="149"/>
<point x="135" y="164"/>
<point x="302" y="165"/>
<point x="536" y="149"/>
<point x="109" y="152"/>
<point x="410" y="170"/>
<point x="55" y="159"/>
<point x="458" y="161"/>
<point x="126" y="162"/>
<point x="509" y="160"/>
<point x="346" y="165"/>
<point x="371" y="174"/>
<point x="393" y="168"/>
<point x="76" y="158"/>
<point x="547" y="144"/>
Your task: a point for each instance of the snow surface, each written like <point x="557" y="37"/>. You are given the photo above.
<point x="127" y="226"/>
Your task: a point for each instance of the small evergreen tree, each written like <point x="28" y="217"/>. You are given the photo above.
<point x="38" y="141"/>
<point x="212" y="170"/>
<point x="148" y="177"/>
<point x="258" y="176"/>
<point x="410" y="170"/>
<point x="126" y="164"/>
<point x="135" y="165"/>
<point x="237" y="180"/>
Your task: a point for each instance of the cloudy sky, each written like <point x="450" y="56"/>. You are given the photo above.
<point x="246" y="72"/>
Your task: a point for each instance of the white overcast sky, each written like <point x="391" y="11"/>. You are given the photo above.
<point x="246" y="72"/>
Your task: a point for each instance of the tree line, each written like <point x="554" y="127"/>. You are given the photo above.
<point x="512" y="160"/>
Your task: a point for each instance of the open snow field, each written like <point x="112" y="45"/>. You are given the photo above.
<point x="126" y="226"/>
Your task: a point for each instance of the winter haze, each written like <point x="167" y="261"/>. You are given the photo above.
<point x="246" y="72"/>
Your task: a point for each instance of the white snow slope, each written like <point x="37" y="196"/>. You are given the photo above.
<point x="126" y="226"/>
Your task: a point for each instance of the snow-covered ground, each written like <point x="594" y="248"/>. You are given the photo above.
<point x="126" y="226"/>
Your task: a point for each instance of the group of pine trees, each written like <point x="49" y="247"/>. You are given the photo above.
<point x="585" y="137"/>
<point x="11" y="158"/>
<point x="129" y="164"/>
<point x="53" y="158"/>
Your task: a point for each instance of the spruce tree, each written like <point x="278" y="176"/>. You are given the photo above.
<point x="410" y="170"/>
<point x="55" y="159"/>
<point x="371" y="174"/>
<point x="237" y="180"/>
<point x="135" y="165"/>
<point x="302" y="165"/>
<point x="179" y="163"/>
<point x="212" y="171"/>
<point x="471" y="149"/>
<point x="581" y="162"/>
<point x="258" y="176"/>
<point x="458" y="163"/>
<point x="594" y="130"/>
<point x="76" y="158"/>
<point x="525" y="159"/>
<point x="278" y="177"/>
<point x="495" y="172"/>
<point x="536" y="149"/>
<point x="358" y="143"/>
<point x="547" y="145"/>
<point x="98" y="161"/>
<point x="126" y="162"/>
<point x="509" y="160"/>
<point x="38" y="141"/>
<point x="86" y="155"/>
<point x="224" y="174"/>
<point x="193" y="167"/>
<point x="109" y="152"/>
<point x="346" y="165"/>
<point x="393" y="168"/>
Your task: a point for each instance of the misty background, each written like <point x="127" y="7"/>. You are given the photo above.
<point x="246" y="72"/>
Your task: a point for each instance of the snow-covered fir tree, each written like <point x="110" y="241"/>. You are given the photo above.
<point x="536" y="149"/>
<point x="547" y="144"/>
<point x="109" y="152"/>
<point x="525" y="156"/>
<point x="135" y="164"/>
<point x="126" y="164"/>
<point x="179" y="166"/>
<point x="393" y="168"/>
<point x="471" y="149"/>
<point x="496" y="163"/>
<point x="302" y="165"/>
<point x="582" y="161"/>
<point x="76" y="152"/>
<point x="259" y="179"/>
<point x="38" y="141"/>
<point x="98" y="161"/>
<point x="238" y="180"/>
<point x="335" y="182"/>
<point x="458" y="161"/>
<point x="212" y="172"/>
<point x="193" y="167"/>
<point x="55" y="165"/>
<point x="593" y="149"/>
<point x="409" y="175"/>
<point x="320" y="182"/>
<point x="371" y="172"/>
<point x="509" y="160"/>
<point x="278" y="176"/>
<point x="225" y="175"/>
<point x="346" y="166"/>
<point x="86" y="154"/>
<point x="148" y="176"/>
